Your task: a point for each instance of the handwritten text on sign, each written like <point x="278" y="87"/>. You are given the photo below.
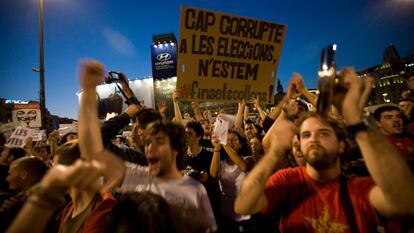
<point x="20" y="134"/>
<point x="224" y="57"/>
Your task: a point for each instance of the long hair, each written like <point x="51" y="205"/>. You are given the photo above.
<point x="244" y="149"/>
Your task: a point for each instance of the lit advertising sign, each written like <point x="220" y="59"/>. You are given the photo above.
<point x="227" y="58"/>
<point x="164" y="60"/>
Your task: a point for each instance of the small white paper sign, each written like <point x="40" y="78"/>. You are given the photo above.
<point x="20" y="134"/>
<point x="222" y="125"/>
<point x="38" y="135"/>
<point x="8" y="128"/>
<point x="18" y="137"/>
<point x="67" y="128"/>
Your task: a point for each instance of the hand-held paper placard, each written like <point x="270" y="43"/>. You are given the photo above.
<point x="222" y="125"/>
<point x="8" y="128"/>
<point x="20" y="134"/>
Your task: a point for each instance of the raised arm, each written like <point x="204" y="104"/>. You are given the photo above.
<point x="28" y="147"/>
<point x="245" y="114"/>
<point x="392" y="195"/>
<point x="197" y="112"/>
<point x="162" y="107"/>
<point x="291" y="93"/>
<point x="207" y="114"/>
<point x="256" y="103"/>
<point x="49" y="194"/>
<point x="90" y="142"/>
<point x="178" y="118"/>
<point x="53" y="142"/>
<point x="111" y="127"/>
<point x="238" y="125"/>
<point x="251" y="198"/>
<point x="368" y="82"/>
<point x="89" y="132"/>
<point x="297" y="80"/>
<point x="235" y="157"/>
<point x="215" y="161"/>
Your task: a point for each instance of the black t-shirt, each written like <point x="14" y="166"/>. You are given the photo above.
<point x="207" y="145"/>
<point x="199" y="162"/>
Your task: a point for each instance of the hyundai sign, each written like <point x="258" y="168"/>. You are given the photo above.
<point x="164" y="60"/>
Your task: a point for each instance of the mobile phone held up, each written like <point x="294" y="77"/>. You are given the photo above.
<point x="328" y="80"/>
<point x="113" y="76"/>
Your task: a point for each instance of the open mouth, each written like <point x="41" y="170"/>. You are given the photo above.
<point x="397" y="127"/>
<point x="298" y="155"/>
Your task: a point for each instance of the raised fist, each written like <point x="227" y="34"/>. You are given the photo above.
<point x="91" y="74"/>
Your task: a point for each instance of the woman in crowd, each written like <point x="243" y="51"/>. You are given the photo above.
<point x="229" y="164"/>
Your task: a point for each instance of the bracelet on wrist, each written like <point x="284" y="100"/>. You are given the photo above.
<point x="42" y="204"/>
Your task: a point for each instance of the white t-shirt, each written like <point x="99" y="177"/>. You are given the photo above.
<point x="230" y="182"/>
<point x="183" y="191"/>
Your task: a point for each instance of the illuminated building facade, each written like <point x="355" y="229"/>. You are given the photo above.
<point x="388" y="84"/>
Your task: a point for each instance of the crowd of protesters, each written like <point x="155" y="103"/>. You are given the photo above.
<point x="291" y="169"/>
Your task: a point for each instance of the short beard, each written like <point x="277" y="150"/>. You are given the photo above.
<point x="322" y="161"/>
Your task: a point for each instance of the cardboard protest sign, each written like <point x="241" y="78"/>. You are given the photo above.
<point x="19" y="136"/>
<point x="27" y="115"/>
<point x="38" y="135"/>
<point x="227" y="58"/>
<point x="67" y="128"/>
<point x="8" y="128"/>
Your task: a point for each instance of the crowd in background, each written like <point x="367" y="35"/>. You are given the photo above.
<point x="278" y="171"/>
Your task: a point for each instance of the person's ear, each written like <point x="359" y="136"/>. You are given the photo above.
<point x="378" y="124"/>
<point x="23" y="174"/>
<point x="342" y="146"/>
<point x="175" y="153"/>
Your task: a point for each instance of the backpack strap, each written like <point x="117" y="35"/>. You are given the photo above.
<point x="347" y="204"/>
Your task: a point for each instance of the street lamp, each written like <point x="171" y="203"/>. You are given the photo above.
<point x="41" y="69"/>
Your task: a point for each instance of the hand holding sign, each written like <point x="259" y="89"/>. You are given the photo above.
<point x="223" y="123"/>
